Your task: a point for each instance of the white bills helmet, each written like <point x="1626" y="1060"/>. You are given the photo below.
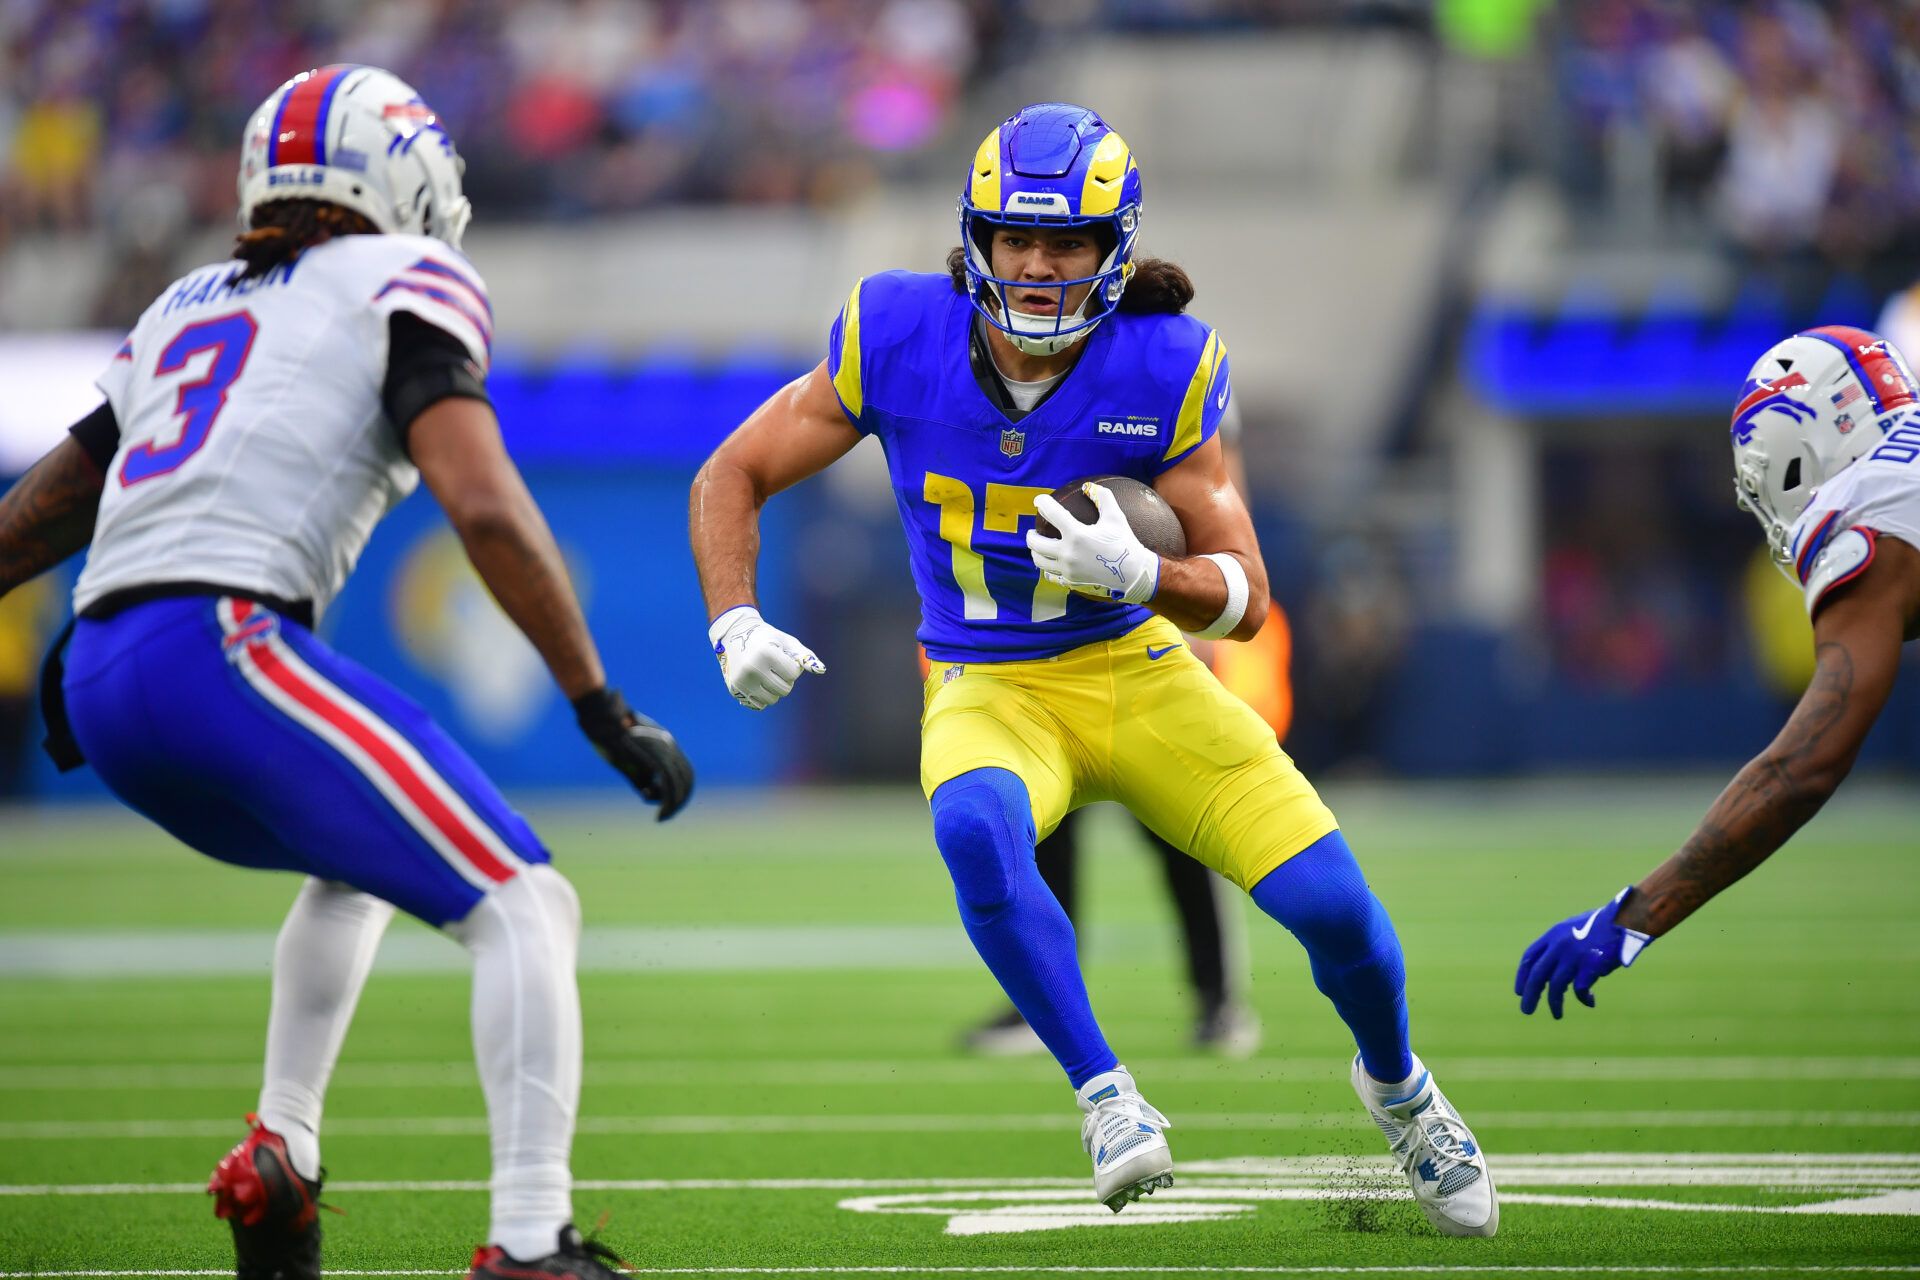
<point x="1812" y="404"/>
<point x="361" y="138"/>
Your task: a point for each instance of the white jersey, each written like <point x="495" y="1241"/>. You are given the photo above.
<point x="254" y="452"/>
<point x="1877" y="496"/>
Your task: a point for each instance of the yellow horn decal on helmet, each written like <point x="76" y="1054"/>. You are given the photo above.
<point x="985" y="192"/>
<point x="1106" y="175"/>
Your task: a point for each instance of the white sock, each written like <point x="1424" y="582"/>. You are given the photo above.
<point x="524" y="937"/>
<point x="1384" y="1092"/>
<point x="320" y="965"/>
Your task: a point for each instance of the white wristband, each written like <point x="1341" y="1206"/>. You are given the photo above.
<point x="1237" y="591"/>
<point x="727" y="621"/>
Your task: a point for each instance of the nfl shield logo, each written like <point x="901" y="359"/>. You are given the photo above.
<point x="1012" y="442"/>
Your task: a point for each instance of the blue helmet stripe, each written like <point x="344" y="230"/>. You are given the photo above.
<point x="326" y="108"/>
<point x="1859" y="370"/>
<point x="273" y="138"/>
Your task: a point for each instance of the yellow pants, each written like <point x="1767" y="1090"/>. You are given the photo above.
<point x="1136" y="719"/>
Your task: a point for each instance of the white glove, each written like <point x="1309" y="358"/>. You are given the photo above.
<point x="1102" y="559"/>
<point x="760" y="662"/>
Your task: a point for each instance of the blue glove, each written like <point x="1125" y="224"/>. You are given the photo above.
<point x="1579" y="951"/>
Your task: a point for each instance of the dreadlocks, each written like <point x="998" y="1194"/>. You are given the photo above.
<point x="283" y="228"/>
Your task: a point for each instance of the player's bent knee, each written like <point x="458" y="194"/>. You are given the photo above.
<point x="1322" y="897"/>
<point x="983" y="825"/>
<point x="537" y="907"/>
<point x="558" y="895"/>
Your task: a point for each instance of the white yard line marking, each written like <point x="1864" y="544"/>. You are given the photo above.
<point x="909" y="1074"/>
<point x="584" y="1184"/>
<point x="1790" y="1172"/>
<point x="1430" y="1269"/>
<point x="717" y="1125"/>
<point x="204" y="953"/>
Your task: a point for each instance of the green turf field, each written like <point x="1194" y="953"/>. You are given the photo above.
<point x="773" y="993"/>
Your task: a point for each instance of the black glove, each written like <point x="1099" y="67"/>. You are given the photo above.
<point x="639" y="748"/>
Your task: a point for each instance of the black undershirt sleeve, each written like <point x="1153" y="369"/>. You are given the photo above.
<point x="99" y="434"/>
<point x="425" y="365"/>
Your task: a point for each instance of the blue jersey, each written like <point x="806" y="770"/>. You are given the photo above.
<point x="1147" y="391"/>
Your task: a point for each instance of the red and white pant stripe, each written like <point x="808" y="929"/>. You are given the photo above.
<point x="391" y="763"/>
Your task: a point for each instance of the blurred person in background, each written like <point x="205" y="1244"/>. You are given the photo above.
<point x="1355" y="637"/>
<point x="24" y="616"/>
<point x="262" y="417"/>
<point x="1258" y="673"/>
<point x="1900" y="319"/>
<point x="1826" y="450"/>
<point x="1783" y="147"/>
<point x="1794" y="127"/>
<point x="1061" y="674"/>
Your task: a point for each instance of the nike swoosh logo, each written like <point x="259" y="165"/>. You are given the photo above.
<point x="1154" y="655"/>
<point x="1582" y="932"/>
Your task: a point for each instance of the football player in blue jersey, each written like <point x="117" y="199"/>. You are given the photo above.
<point x="1049" y="352"/>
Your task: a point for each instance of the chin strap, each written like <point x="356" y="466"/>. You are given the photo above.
<point x="1045" y="344"/>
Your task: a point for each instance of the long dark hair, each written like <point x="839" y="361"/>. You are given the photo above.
<point x="283" y="228"/>
<point x="1158" y="287"/>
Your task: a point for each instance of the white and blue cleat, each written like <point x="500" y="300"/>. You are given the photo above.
<point x="1126" y="1139"/>
<point x="1443" y="1163"/>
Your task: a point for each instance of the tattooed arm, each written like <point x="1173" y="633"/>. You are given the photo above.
<point x="1857" y="639"/>
<point x="48" y="514"/>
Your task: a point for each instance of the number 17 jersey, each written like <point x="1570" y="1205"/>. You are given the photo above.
<point x="1146" y="392"/>
<point x="254" y="453"/>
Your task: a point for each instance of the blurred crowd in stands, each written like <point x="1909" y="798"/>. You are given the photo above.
<point x="128" y="113"/>
<point x="1790" y="128"/>
<point x="134" y="108"/>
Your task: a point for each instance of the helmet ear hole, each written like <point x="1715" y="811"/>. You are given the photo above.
<point x="1791" y="480"/>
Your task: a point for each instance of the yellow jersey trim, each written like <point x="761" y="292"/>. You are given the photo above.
<point x="1193" y="409"/>
<point x="846" y="379"/>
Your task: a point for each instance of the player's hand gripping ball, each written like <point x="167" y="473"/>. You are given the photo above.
<point x="1104" y="538"/>
<point x="643" y="751"/>
<point x="1577" y="952"/>
<point x="759" y="662"/>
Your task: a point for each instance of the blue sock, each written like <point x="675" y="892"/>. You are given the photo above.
<point x="983" y="823"/>
<point x="1322" y="898"/>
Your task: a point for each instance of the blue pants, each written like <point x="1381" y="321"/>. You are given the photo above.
<point x="249" y="740"/>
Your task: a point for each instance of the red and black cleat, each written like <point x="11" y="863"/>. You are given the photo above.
<point x="577" y="1258"/>
<point x="274" y="1212"/>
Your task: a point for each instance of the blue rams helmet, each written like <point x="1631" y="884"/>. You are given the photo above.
<point x="1050" y="165"/>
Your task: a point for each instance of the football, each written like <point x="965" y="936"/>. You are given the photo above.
<point x="1152" y="520"/>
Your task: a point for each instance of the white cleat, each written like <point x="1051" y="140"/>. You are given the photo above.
<point x="1444" y="1165"/>
<point x="1124" y="1136"/>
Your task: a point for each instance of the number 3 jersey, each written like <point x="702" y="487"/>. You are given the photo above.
<point x="254" y="452"/>
<point x="1146" y="392"/>
<point x="1874" y="497"/>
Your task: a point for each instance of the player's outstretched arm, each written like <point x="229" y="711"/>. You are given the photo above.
<point x="456" y="444"/>
<point x="800" y="431"/>
<point x="48" y="514"/>
<point x="1857" y="638"/>
<point x="1193" y="591"/>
